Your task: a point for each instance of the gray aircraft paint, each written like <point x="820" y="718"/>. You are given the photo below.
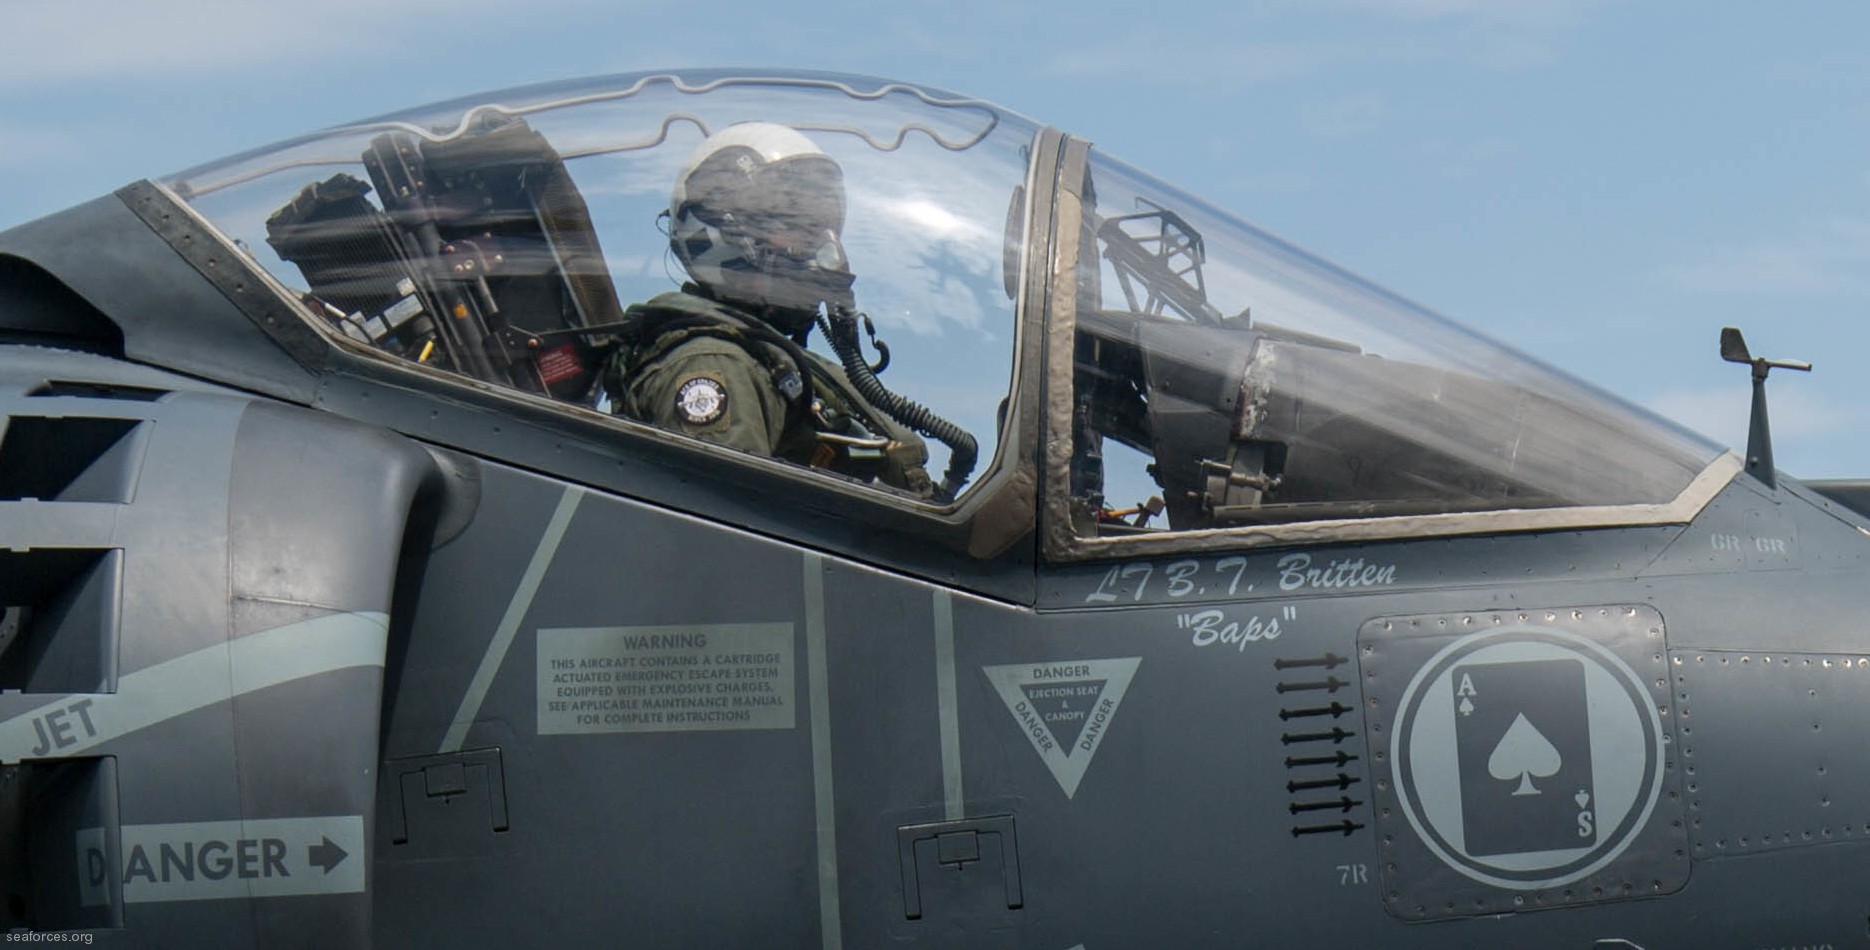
<point x="1064" y="708"/>
<point x="1619" y="737"/>
<point x="227" y="860"/>
<point x="250" y="582"/>
<point x="74" y="725"/>
<point x="948" y="703"/>
<point x="1221" y="711"/>
<point x="824" y="787"/>
<point x="1788" y="715"/>
<point x="1240" y="800"/>
<point x="1595" y="683"/>
<point x="510" y="619"/>
<point x="666" y="679"/>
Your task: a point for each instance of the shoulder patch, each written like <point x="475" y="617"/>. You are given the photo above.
<point x="700" y="400"/>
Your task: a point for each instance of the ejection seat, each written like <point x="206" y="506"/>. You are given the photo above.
<point x="480" y="258"/>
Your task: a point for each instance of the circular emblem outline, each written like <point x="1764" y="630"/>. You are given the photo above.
<point x="1615" y="843"/>
<point x="700" y="400"/>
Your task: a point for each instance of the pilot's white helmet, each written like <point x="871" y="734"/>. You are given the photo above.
<point x="757" y="215"/>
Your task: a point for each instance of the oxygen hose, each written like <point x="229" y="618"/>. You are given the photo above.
<point x="841" y="331"/>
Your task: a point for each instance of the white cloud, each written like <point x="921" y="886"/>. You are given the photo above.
<point x="1517" y="12"/>
<point x="61" y="41"/>
<point x="1345" y="116"/>
<point x="1722" y="413"/>
<point x="1797" y="413"/>
<point x="1270" y="183"/>
<point x="1215" y="59"/>
<point x="1752" y="269"/>
<point x="1250" y="46"/>
<point x="1498" y="34"/>
<point x="1460" y="159"/>
<point x="1828" y="256"/>
<point x="23" y="145"/>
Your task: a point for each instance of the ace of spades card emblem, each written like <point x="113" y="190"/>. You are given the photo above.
<point x="1526" y="735"/>
<point x="1526" y="756"/>
<point x="1523" y="751"/>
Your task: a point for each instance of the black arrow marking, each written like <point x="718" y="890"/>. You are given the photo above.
<point x="326" y="854"/>
<point x="1345" y="803"/>
<point x="1332" y="685"/>
<point x="1344" y="827"/>
<point x="1340" y="760"/>
<point x="1334" y="710"/>
<point x="1329" y="661"/>
<point x="1337" y="735"/>
<point x="1341" y="782"/>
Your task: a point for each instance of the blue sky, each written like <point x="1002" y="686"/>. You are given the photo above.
<point x="1603" y="184"/>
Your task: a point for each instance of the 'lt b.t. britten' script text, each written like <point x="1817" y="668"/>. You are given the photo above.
<point x="1297" y="573"/>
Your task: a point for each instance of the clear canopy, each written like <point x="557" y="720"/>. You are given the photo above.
<point x="1224" y="377"/>
<point x="1221" y="377"/>
<point x="482" y="237"/>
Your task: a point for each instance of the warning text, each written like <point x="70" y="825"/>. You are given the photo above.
<point x="666" y="679"/>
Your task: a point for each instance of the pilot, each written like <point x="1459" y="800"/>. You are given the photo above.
<point x="756" y="218"/>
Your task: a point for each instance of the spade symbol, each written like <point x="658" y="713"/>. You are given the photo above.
<point x="1523" y="752"/>
<point x="1467" y="692"/>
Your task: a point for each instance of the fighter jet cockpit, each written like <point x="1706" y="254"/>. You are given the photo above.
<point x="927" y="528"/>
<point x="922" y="294"/>
<point x="1223" y="378"/>
<point x="821" y="267"/>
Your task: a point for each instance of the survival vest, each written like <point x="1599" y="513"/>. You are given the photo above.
<point x="818" y="395"/>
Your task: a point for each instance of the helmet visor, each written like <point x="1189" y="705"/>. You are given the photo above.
<point x="792" y="204"/>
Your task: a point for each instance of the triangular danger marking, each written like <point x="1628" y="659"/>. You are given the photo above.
<point x="1064" y="707"/>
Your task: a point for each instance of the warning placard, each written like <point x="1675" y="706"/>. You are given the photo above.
<point x="220" y="860"/>
<point x="1064" y="708"/>
<point x="666" y="679"/>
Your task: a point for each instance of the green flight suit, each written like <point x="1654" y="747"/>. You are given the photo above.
<point x="697" y="370"/>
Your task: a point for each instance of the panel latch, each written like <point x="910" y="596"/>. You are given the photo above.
<point x="968" y="862"/>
